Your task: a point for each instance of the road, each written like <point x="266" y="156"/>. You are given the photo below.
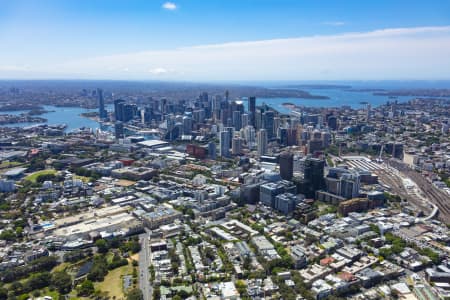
<point x="144" y="263"/>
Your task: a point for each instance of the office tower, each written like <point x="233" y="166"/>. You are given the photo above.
<point x="187" y="125"/>
<point x="326" y="138"/>
<point x="163" y="106"/>
<point x="230" y="131"/>
<point x="236" y="147"/>
<point x="269" y="191"/>
<point x="224" y="143"/>
<point x="332" y="122"/>
<point x="102" y="113"/>
<point x="286" y="165"/>
<point x="368" y="112"/>
<point x="203" y="97"/>
<point x="249" y="136"/>
<point x="258" y="119"/>
<point x="119" y="130"/>
<point x="276" y="125"/>
<point x="268" y="123"/>
<point x="147" y="115"/>
<point x="215" y="107"/>
<point x="286" y="202"/>
<point x="313" y="173"/>
<point x="118" y="109"/>
<point x="349" y="185"/>
<point x="262" y="142"/>
<point x="314" y="146"/>
<point x="212" y="150"/>
<point x="237" y="120"/>
<point x="198" y="115"/>
<point x="282" y="136"/>
<point x="252" y="110"/>
<point x="128" y="112"/>
<point x="244" y="120"/>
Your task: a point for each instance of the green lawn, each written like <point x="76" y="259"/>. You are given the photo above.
<point x="34" y="176"/>
<point x="9" y="164"/>
<point x="113" y="283"/>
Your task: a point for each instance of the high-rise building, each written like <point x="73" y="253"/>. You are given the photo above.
<point x="119" y="130"/>
<point x="249" y="136"/>
<point x="350" y="184"/>
<point x="129" y="111"/>
<point x="286" y="165"/>
<point x="212" y="150"/>
<point x="230" y="131"/>
<point x="332" y="122"/>
<point x="187" y="125"/>
<point x="270" y="190"/>
<point x="262" y="142"/>
<point x="313" y="173"/>
<point x="244" y="120"/>
<point x="236" y="147"/>
<point x="252" y="110"/>
<point x="237" y="120"/>
<point x="225" y="141"/>
<point x="286" y="202"/>
<point x="102" y="113"/>
<point x="268" y="123"/>
<point x="118" y="109"/>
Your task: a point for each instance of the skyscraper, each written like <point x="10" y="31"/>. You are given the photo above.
<point x="252" y="109"/>
<point x="236" y="147"/>
<point x="118" y="130"/>
<point x="212" y="150"/>
<point x="225" y="141"/>
<point x="102" y="113"/>
<point x="244" y="120"/>
<point x="237" y="120"/>
<point x="286" y="165"/>
<point x="262" y="142"/>
<point x="268" y="123"/>
<point x="313" y="173"/>
<point x="118" y="109"/>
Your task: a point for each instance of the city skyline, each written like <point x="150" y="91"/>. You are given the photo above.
<point x="214" y="41"/>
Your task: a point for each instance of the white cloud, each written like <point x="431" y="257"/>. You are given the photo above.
<point x="158" y="71"/>
<point x="169" y="6"/>
<point x="334" y="23"/>
<point x="397" y="53"/>
<point x="13" y="68"/>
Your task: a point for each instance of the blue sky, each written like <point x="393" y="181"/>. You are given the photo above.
<point x="154" y="39"/>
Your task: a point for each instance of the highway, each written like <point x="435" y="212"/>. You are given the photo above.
<point x="144" y="263"/>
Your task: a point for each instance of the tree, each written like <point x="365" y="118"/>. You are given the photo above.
<point x="135" y="294"/>
<point x="37" y="281"/>
<point x="8" y="235"/>
<point x="62" y="282"/>
<point x="99" y="269"/>
<point x="102" y="246"/>
<point x="156" y="293"/>
<point x="86" y="288"/>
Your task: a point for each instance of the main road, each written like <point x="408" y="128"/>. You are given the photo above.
<point x="144" y="263"/>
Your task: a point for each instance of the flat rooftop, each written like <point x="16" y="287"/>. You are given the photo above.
<point x="95" y="225"/>
<point x="153" y="143"/>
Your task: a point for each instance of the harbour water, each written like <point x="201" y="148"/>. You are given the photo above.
<point x="71" y="116"/>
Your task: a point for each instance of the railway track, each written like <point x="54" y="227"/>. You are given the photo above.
<point x="435" y="196"/>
